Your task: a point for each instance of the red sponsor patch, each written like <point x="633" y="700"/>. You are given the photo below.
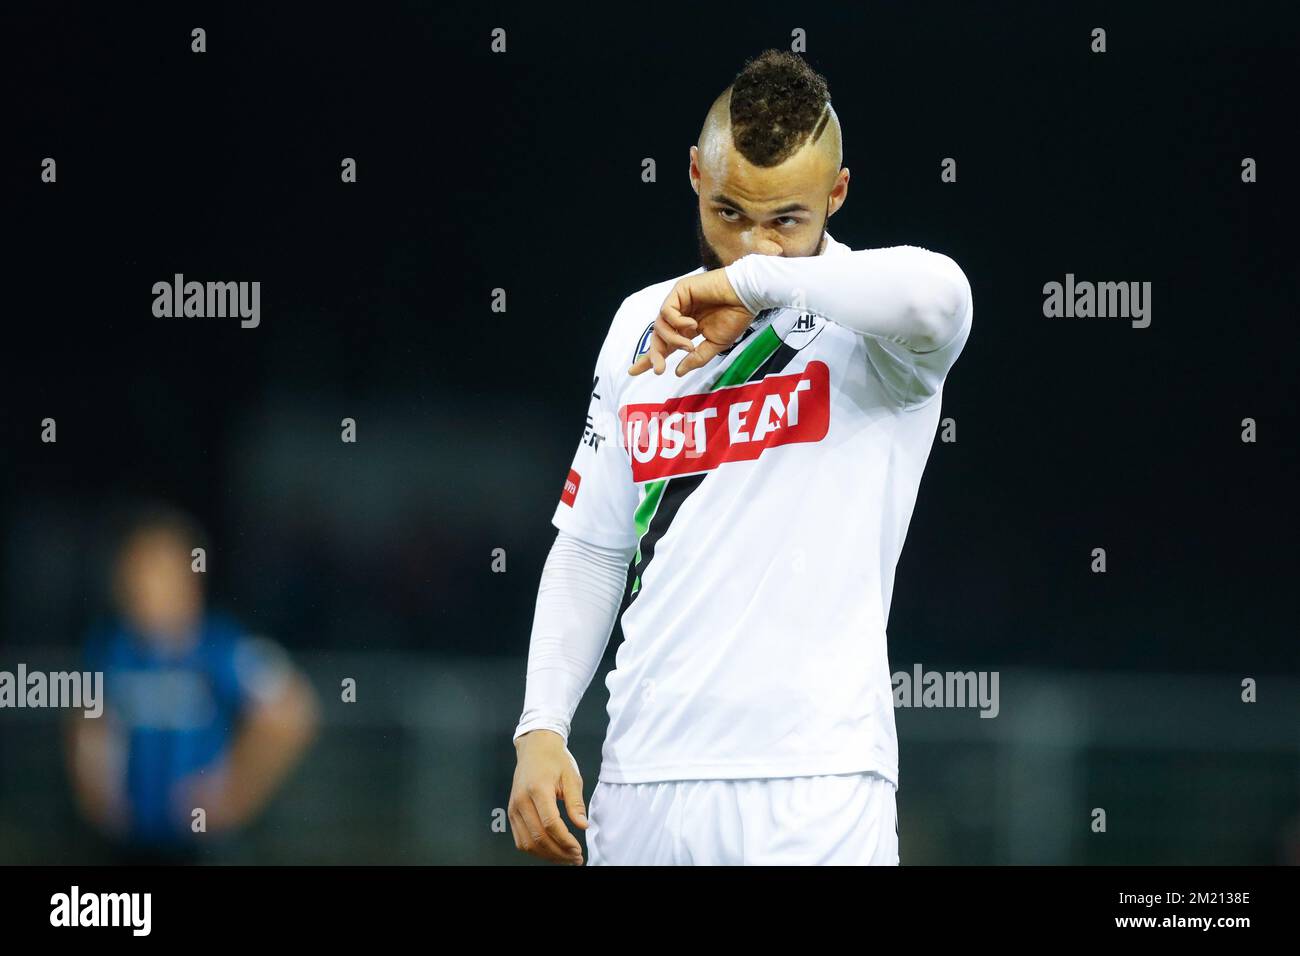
<point x="571" y="487"/>
<point x="696" y="433"/>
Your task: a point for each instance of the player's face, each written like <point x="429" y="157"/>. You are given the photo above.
<point x="772" y="211"/>
<point x="158" y="592"/>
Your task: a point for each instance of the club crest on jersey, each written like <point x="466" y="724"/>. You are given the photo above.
<point x="695" y="433"/>
<point x="643" y="345"/>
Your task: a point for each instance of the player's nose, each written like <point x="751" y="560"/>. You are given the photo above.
<point x="764" y="246"/>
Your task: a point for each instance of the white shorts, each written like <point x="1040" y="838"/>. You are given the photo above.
<point x="835" y="819"/>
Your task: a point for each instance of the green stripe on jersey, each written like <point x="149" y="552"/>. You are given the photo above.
<point x="754" y="355"/>
<point x="751" y="357"/>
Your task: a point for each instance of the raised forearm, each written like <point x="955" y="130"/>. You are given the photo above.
<point x="906" y="294"/>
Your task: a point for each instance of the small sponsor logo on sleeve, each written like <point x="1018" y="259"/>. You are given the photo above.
<point x="571" y="487"/>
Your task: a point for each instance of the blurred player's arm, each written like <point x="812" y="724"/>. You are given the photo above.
<point x="272" y="739"/>
<point x="95" y="751"/>
<point x="94" y="763"/>
<point x="578" y="599"/>
<point x="280" y="718"/>
<point x="907" y="295"/>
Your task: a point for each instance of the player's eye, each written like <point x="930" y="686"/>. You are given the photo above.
<point x="727" y="215"/>
<point x="793" y="220"/>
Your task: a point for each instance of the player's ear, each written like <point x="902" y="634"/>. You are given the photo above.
<point x="839" y="192"/>
<point x="694" y="169"/>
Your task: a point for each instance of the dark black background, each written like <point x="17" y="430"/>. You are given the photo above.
<point x="522" y="171"/>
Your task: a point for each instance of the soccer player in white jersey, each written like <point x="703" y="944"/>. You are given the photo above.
<point x="759" y="481"/>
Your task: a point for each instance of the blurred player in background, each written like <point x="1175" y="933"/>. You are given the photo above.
<point x="198" y="713"/>
<point x="760" y="482"/>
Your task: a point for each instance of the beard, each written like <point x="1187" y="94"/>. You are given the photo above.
<point x="710" y="259"/>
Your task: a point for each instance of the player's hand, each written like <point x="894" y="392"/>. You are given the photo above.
<point x="210" y="790"/>
<point x="544" y="772"/>
<point x="703" y="304"/>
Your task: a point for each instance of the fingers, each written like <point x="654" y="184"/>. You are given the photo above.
<point x="540" y="830"/>
<point x="667" y="326"/>
<point x="701" y="355"/>
<point x="548" y="810"/>
<point x="653" y="358"/>
<point x="531" y="838"/>
<point x="665" y="339"/>
<point x="539" y="845"/>
<point x="682" y="323"/>
<point x="571" y="794"/>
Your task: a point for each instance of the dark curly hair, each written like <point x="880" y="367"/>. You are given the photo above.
<point x="778" y="103"/>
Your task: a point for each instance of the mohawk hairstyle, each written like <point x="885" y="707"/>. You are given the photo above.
<point x="778" y="103"/>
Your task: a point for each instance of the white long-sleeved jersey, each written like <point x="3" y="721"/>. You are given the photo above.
<point x="767" y="496"/>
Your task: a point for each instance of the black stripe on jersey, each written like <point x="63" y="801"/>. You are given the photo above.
<point x="676" y="492"/>
<point x="679" y="489"/>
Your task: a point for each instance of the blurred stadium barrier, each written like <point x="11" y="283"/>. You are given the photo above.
<point x="413" y="771"/>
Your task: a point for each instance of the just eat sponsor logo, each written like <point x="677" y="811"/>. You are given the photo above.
<point x="694" y="433"/>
